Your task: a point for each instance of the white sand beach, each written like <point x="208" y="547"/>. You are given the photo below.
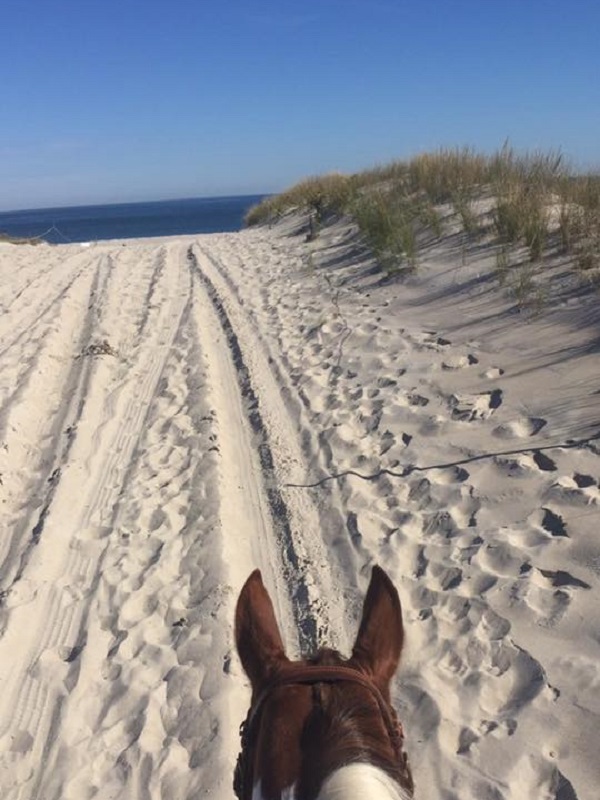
<point x="177" y="412"/>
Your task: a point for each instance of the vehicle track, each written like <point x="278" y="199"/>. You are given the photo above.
<point x="315" y="603"/>
<point x="278" y="509"/>
<point x="57" y="420"/>
<point x="119" y="590"/>
<point x="57" y="579"/>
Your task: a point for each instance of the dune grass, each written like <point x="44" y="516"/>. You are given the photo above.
<point x="533" y="200"/>
<point x="319" y="195"/>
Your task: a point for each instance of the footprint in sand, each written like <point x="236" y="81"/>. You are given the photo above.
<point x="520" y="429"/>
<point x="386" y="383"/>
<point x="565" y="491"/>
<point x="502" y="559"/>
<point x="522" y="683"/>
<point x="510" y="467"/>
<point x="420" y="493"/>
<point x="549" y="521"/>
<point x="467" y="408"/>
<point x="482" y="583"/>
<point x="430" y="340"/>
<point x="536" y="461"/>
<point x="110" y="671"/>
<point x="52" y="666"/>
<point x="388" y="440"/>
<point x="562" y="787"/>
<point x="561" y="578"/>
<point x="468" y="737"/>
<point x="416" y="399"/>
<point x="548" y="605"/>
<point x="422" y="563"/>
<point x="432" y="426"/>
<point x="459" y="362"/>
<point x="441" y="524"/>
<point x="495" y="627"/>
<point x="492" y="373"/>
<point x="584" y="481"/>
<point x="447" y="577"/>
<point x="371" y="421"/>
<point x="451" y="475"/>
<point x="543" y="462"/>
<point x="423" y="715"/>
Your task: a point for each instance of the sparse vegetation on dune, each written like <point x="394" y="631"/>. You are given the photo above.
<point x="318" y="195"/>
<point x="531" y="201"/>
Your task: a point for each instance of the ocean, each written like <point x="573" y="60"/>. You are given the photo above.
<point x="129" y="220"/>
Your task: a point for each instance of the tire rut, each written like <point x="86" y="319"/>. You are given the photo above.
<point x="293" y="567"/>
<point x="78" y="546"/>
<point x="75" y="387"/>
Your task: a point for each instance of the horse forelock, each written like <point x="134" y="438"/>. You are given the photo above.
<point x="309" y="731"/>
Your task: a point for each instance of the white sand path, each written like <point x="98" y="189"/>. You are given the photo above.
<point x="176" y="412"/>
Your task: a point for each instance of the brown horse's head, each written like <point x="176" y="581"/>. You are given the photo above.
<point x="312" y="717"/>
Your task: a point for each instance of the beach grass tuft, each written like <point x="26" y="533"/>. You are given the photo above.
<point x="531" y="200"/>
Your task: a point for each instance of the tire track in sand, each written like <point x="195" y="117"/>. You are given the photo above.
<point x="40" y="451"/>
<point x="154" y="684"/>
<point x="64" y="569"/>
<point x="274" y="450"/>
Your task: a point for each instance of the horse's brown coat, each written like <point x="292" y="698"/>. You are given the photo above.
<point x="307" y="732"/>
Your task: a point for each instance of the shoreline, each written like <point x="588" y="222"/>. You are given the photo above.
<point x="75" y="224"/>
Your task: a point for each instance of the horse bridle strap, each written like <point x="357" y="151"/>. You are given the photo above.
<point x="298" y="675"/>
<point x="310" y="675"/>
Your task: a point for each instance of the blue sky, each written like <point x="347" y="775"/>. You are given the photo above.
<point x="149" y="99"/>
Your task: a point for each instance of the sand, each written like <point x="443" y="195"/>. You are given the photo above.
<point x="176" y="412"/>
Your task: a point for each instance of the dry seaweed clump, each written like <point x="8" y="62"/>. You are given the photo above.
<point x="99" y="348"/>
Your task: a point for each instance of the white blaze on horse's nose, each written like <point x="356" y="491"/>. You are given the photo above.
<point x="354" y="782"/>
<point x="360" y="781"/>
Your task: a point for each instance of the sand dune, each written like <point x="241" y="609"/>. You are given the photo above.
<point x="176" y="412"/>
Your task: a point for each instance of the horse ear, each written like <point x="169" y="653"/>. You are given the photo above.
<point x="381" y="634"/>
<point x="257" y="636"/>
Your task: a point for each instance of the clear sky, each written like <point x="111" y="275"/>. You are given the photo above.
<point x="147" y="99"/>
